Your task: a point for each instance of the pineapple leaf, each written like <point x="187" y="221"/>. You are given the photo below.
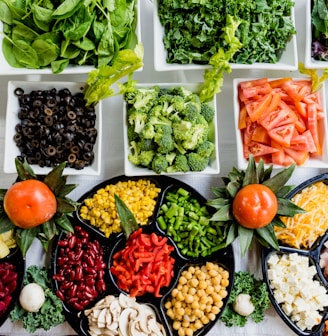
<point x="232" y="233"/>
<point x="278" y="222"/>
<point x="219" y="192"/>
<point x="66" y="205"/>
<point x="260" y="171"/>
<point x="245" y="239"/>
<point x="54" y="180"/>
<point x="222" y="215"/>
<point x="217" y="203"/>
<point x="288" y="208"/>
<point x="250" y="174"/>
<point x="66" y="189"/>
<point x="232" y="188"/>
<point x="279" y="180"/>
<point x="2" y="194"/>
<point x="5" y="223"/>
<point x="284" y="191"/>
<point x="49" y="229"/>
<point x="268" y="235"/>
<point x="24" y="170"/>
<point x="25" y="237"/>
<point x="64" y="223"/>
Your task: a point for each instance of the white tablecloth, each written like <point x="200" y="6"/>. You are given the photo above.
<point x="113" y="163"/>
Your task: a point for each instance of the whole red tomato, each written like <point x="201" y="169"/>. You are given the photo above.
<point x="254" y="206"/>
<point x="29" y="203"/>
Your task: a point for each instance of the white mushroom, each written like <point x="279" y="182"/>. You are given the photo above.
<point x="123" y="316"/>
<point x="126" y="315"/>
<point x="32" y="297"/>
<point x="243" y="305"/>
<point x="115" y="309"/>
<point x="128" y="301"/>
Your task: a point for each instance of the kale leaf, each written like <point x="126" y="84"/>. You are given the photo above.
<point x="245" y="283"/>
<point x="51" y="312"/>
<point x="193" y="29"/>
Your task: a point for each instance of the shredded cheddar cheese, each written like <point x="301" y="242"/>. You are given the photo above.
<point x="304" y="229"/>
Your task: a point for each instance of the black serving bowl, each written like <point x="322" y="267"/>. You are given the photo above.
<point x="313" y="255"/>
<point x="16" y="260"/>
<point x="115" y="242"/>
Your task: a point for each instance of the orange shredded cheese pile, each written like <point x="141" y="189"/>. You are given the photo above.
<point x="304" y="229"/>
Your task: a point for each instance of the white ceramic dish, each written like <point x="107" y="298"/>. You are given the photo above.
<point x="214" y="166"/>
<point x="312" y="162"/>
<point x="12" y="151"/>
<point x="288" y="60"/>
<point x="6" y="69"/>
<point x="309" y="61"/>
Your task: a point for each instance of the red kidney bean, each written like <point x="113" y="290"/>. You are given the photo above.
<point x="8" y="284"/>
<point x="79" y="265"/>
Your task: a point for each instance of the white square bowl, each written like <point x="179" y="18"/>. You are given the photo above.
<point x="309" y="61"/>
<point x="12" y="151"/>
<point x="313" y="161"/>
<point x="288" y="60"/>
<point x="214" y="165"/>
<point x="6" y="69"/>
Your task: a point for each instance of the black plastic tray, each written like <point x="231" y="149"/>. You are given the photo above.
<point x="314" y="257"/>
<point x="224" y="257"/>
<point x="15" y="258"/>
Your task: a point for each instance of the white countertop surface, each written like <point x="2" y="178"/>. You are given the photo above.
<point x="113" y="163"/>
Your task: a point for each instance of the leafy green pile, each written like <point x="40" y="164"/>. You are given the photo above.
<point x="319" y="16"/>
<point x="169" y="129"/>
<point x="193" y="29"/>
<point x="51" y="312"/>
<point x="54" y="33"/>
<point x="245" y="283"/>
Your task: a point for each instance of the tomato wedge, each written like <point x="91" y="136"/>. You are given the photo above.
<point x="256" y="108"/>
<point x="282" y="134"/>
<point x="280" y="120"/>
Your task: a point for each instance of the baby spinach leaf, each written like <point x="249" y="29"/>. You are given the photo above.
<point x="88" y="32"/>
<point x="42" y="17"/>
<point x="46" y="50"/>
<point x="5" y="13"/>
<point x="67" y="9"/>
<point x="25" y="54"/>
<point x="59" y="65"/>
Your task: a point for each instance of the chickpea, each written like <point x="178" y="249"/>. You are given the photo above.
<point x="176" y="325"/>
<point x="197" y="299"/>
<point x="182" y="280"/>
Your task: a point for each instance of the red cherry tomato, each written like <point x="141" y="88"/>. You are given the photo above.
<point x="29" y="203"/>
<point x="254" y="206"/>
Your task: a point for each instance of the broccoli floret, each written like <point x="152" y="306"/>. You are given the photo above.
<point x="134" y="153"/>
<point x="180" y="164"/>
<point x="170" y="104"/>
<point x="170" y="157"/>
<point x="164" y="139"/>
<point x="181" y="129"/>
<point x="142" y="99"/>
<point x="138" y="119"/>
<point x="197" y="162"/>
<point x="146" y="158"/>
<point x="132" y="135"/>
<point x="159" y="163"/>
<point x="159" y="120"/>
<point x="140" y="157"/>
<point x="148" y="132"/>
<point x="207" y="111"/>
<point x="147" y="144"/>
<point x="205" y="149"/>
<point x="180" y="91"/>
<point x="191" y="111"/>
<point x="197" y="134"/>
